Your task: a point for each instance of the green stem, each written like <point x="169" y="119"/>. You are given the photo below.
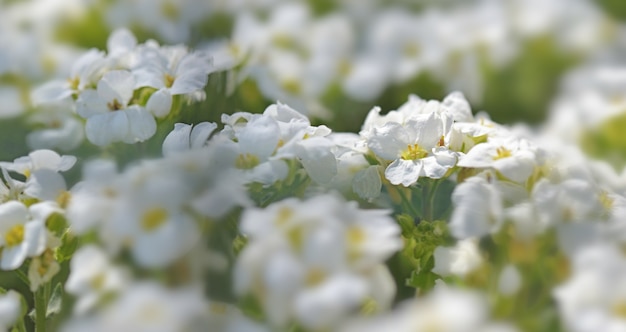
<point x="426" y="203"/>
<point x="23" y="277"/>
<point x="41" y="304"/>
<point x="406" y="203"/>
<point x="431" y="196"/>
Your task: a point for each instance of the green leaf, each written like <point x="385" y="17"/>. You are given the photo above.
<point x="54" y="304"/>
<point x="69" y="243"/>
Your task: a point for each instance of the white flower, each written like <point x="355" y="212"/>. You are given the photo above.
<point x="594" y="297"/>
<point x="183" y="137"/>
<point x="150" y="217"/>
<point x="146" y="307"/>
<point x="92" y="276"/>
<point x="109" y="116"/>
<point x="84" y="73"/>
<point x="10" y="309"/>
<point x="414" y="148"/>
<point x="173" y="71"/>
<point x="316" y="265"/>
<point x="509" y="281"/>
<point x="41" y="169"/>
<point x="61" y="129"/>
<point x="477" y="209"/>
<point x="444" y="309"/>
<point x="459" y="260"/>
<point x="22" y="232"/>
<point x="92" y="199"/>
<point x="513" y="158"/>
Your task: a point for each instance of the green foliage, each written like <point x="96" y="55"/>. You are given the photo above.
<point x="523" y="89"/>
<point x="607" y="141"/>
<point x="420" y="241"/>
<point x="69" y="244"/>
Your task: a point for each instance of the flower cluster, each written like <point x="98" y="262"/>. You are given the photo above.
<point x="210" y="195"/>
<point x="122" y="93"/>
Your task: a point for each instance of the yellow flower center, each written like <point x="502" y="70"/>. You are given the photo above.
<point x="97" y="282"/>
<point x="619" y="309"/>
<point x="64" y="198"/>
<point x="413" y="152"/>
<point x="606" y="200"/>
<point x="115" y="105"/>
<point x="74" y="82"/>
<point x="246" y="161"/>
<point x="153" y="218"/>
<point x="169" y="80"/>
<point x="14" y="236"/>
<point x="501" y="153"/>
<point x="355" y="236"/>
<point x="411" y="50"/>
<point x="170" y="11"/>
<point x="283" y="216"/>
<point x="315" y="277"/>
<point x="292" y="86"/>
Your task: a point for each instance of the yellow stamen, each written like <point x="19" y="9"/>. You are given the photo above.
<point x="413" y="152"/>
<point x="283" y="216"/>
<point x="64" y="198"/>
<point x="246" y="161"/>
<point x="502" y="153"/>
<point x="315" y="277"/>
<point x="115" y="105"/>
<point x="14" y="236"/>
<point x="169" y="80"/>
<point x="153" y="218"/>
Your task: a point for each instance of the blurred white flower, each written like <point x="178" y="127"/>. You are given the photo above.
<point x="459" y="260"/>
<point x="93" y="276"/>
<point x="109" y="116"/>
<point x="316" y="265"/>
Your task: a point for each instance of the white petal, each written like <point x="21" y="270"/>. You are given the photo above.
<point x="200" y="133"/>
<point x="12" y="102"/>
<point x="89" y="103"/>
<point x="432" y="169"/>
<point x="35" y="238"/>
<point x="13" y="257"/>
<point x="405" y="172"/>
<point x="45" y="184"/>
<point x="517" y="167"/>
<point x="103" y="129"/>
<point x="12" y="213"/>
<point x="367" y="183"/>
<point x="160" y="103"/>
<point x="177" y="140"/>
<point x="117" y="85"/>
<point x="429" y="129"/>
<point x="149" y="76"/>
<point x="317" y="158"/>
<point x="121" y="41"/>
<point x="51" y="91"/>
<point x="478" y="157"/>
<point x="458" y="106"/>
<point x="260" y="137"/>
<point x="389" y="140"/>
<point x="141" y="124"/>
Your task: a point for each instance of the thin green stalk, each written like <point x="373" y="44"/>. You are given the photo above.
<point x="23" y="277"/>
<point x="406" y="203"/>
<point x="41" y="304"/>
<point x="426" y="204"/>
<point x="431" y="196"/>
